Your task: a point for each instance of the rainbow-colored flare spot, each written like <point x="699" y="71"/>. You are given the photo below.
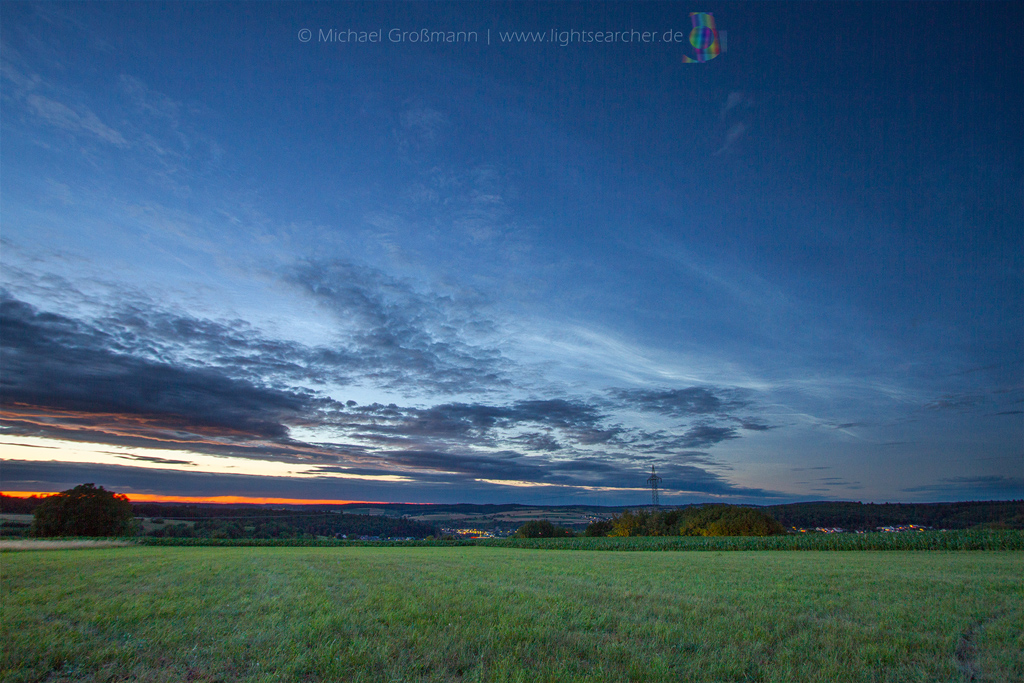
<point x="703" y="37"/>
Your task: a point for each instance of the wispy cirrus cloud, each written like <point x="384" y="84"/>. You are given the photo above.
<point x="421" y="127"/>
<point x="737" y="98"/>
<point x="78" y="120"/>
<point x="734" y="133"/>
<point x="130" y="123"/>
<point x="954" y="401"/>
<point x="42" y="101"/>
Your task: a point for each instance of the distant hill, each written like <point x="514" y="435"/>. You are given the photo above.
<point x="847" y="515"/>
<point x="869" y="516"/>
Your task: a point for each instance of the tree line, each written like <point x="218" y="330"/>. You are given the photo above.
<point x="706" y="520"/>
<point x="1006" y="514"/>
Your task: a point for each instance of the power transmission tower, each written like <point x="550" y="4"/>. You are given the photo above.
<point x="653" y="482"/>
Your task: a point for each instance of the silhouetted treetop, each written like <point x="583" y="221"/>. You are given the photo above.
<point x="84" y="511"/>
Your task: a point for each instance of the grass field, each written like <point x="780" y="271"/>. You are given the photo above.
<point x="498" y="614"/>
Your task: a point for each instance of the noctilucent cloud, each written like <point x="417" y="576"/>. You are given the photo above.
<point x="513" y="252"/>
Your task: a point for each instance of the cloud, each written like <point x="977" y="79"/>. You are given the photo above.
<point x="682" y="402"/>
<point x="155" y="460"/>
<point x="828" y="483"/>
<point x="735" y="99"/>
<point x="170" y="134"/>
<point x="953" y="401"/>
<point x="20" y="475"/>
<point x="56" y="365"/>
<point x="81" y="121"/>
<point x="538" y="441"/>
<point x="140" y="376"/>
<point x="233" y="347"/>
<point x="19" y="82"/>
<point x="705" y="403"/>
<point x="387" y="334"/>
<point x="58" y="476"/>
<point x="25" y="445"/>
<point x="421" y="129"/>
<point x="594" y="471"/>
<point x="734" y="134"/>
<point x="136" y="374"/>
<point x="156" y="136"/>
<point x="703" y="436"/>
<point x="404" y="338"/>
<point x="154" y="103"/>
<point x="1008" y="486"/>
<point x="574" y="422"/>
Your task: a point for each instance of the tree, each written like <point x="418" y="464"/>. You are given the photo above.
<point x="632" y="523"/>
<point x="706" y="520"/>
<point x="599" y="528"/>
<point x="542" y="528"/>
<point x="84" y="511"/>
<point x="736" y="521"/>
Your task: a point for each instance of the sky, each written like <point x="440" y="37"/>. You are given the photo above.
<point x="513" y="252"/>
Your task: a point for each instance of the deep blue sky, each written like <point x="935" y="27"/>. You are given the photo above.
<point x="236" y="263"/>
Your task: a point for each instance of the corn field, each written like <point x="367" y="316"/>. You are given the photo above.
<point x="921" y="540"/>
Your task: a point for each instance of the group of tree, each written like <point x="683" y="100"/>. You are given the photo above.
<point x="542" y="528"/>
<point x="705" y="520"/>
<point x="86" y="510"/>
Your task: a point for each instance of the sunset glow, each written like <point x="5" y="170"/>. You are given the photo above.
<point x="220" y="500"/>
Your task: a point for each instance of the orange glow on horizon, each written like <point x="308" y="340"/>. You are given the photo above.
<point x="224" y="500"/>
<point x="27" y="494"/>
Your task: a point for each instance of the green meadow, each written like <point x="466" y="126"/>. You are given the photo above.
<point x="482" y="613"/>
